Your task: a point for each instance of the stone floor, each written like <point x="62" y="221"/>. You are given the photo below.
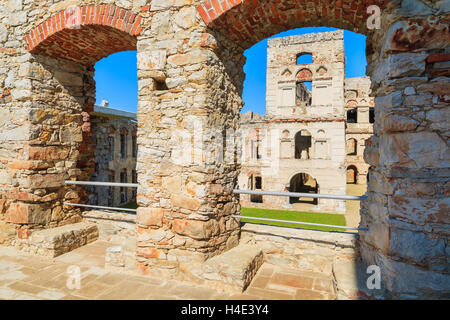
<point x="26" y="277"/>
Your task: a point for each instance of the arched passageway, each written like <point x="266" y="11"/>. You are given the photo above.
<point x="303" y="183"/>
<point x="65" y="47"/>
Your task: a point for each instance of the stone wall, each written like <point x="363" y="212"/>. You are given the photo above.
<point x="325" y="120"/>
<point x="109" y="163"/>
<point x="357" y="97"/>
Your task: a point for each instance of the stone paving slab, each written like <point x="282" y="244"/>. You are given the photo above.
<point x="27" y="277"/>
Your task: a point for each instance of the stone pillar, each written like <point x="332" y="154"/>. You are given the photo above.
<point x="44" y="129"/>
<point x="52" y="142"/>
<point x="189" y="105"/>
<point x="47" y="54"/>
<point x="407" y="212"/>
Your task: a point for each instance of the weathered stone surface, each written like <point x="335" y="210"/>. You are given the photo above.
<point x="28" y="213"/>
<point x="196" y="229"/>
<point x="403" y="243"/>
<point x="300" y="249"/>
<point x="150" y="216"/>
<point x="237" y="266"/>
<point x="424" y="149"/>
<point x="56" y="241"/>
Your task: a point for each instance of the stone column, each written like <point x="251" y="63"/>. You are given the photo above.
<point x="407" y="212"/>
<point x="56" y="145"/>
<point x="47" y="55"/>
<point x="188" y="108"/>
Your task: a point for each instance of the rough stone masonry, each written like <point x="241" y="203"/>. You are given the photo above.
<point x="190" y="70"/>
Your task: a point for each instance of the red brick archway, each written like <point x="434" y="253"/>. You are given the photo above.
<point x="85" y="34"/>
<point x="250" y="21"/>
<point x="304" y="75"/>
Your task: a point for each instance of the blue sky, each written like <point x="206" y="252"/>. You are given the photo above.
<point x="116" y="75"/>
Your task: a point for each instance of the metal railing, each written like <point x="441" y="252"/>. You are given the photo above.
<point x="298" y="195"/>
<point x="100" y="184"/>
<point x="236" y="191"/>
<point x="98" y="207"/>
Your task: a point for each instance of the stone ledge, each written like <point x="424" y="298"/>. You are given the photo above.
<point x="236" y="267"/>
<point x="57" y="241"/>
<point x="301" y="249"/>
<point x="339" y="239"/>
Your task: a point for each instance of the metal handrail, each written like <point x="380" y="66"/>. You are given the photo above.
<point x="102" y="184"/>
<point x="302" y="223"/>
<point x="98" y="207"/>
<point x="298" y="194"/>
<point x="236" y="191"/>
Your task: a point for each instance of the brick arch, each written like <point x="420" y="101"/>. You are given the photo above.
<point x="250" y="21"/>
<point x="85" y="34"/>
<point x="304" y="75"/>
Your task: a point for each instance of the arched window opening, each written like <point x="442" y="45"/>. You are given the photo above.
<point x="111" y="178"/>
<point x="352" y="147"/>
<point x="352" y="175"/>
<point x="371" y="115"/>
<point x="352" y="116"/>
<point x="304" y="58"/>
<point x="303" y="145"/>
<point x="255" y="183"/>
<point x="123" y="190"/>
<point x="255" y="145"/>
<point x="134" y="145"/>
<point x="134" y="180"/>
<point x="303" y="183"/>
<point x="123" y="143"/>
<point x="303" y="93"/>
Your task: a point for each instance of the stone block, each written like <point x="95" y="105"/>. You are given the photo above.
<point x="184" y="202"/>
<point x="28" y="213"/>
<point x="196" y="229"/>
<point x="415" y="150"/>
<point x="150" y="216"/>
<point x="236" y="267"/>
<point x="416" y="246"/>
<point x="57" y="241"/>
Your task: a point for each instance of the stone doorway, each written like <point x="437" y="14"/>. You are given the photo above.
<point x="303" y="183"/>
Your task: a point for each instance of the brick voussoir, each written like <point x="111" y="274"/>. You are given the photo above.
<point x="46" y="34"/>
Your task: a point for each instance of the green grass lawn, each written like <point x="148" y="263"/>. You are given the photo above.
<point x="313" y="217"/>
<point x="130" y="205"/>
<point x="322" y="218"/>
